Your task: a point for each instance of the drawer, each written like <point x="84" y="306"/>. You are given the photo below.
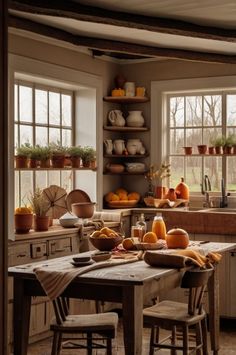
<point x="59" y="247"/>
<point x="38" y="250"/>
<point x="19" y="254"/>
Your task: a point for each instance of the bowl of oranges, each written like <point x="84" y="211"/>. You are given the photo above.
<point x="105" y="239"/>
<point x="121" y="198"/>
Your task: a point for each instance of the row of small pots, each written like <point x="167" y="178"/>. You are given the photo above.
<point x="25" y="222"/>
<point x="55" y="162"/>
<point x="204" y="149"/>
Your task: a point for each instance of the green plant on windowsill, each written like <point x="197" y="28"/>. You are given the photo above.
<point x="58" y="149"/>
<point x="75" y="151"/>
<point x="88" y="156"/>
<point x="218" y="143"/>
<point x="38" y="202"/>
<point x="44" y="153"/>
<point x="23" y="150"/>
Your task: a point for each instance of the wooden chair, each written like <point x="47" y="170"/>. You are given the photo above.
<point x="175" y="315"/>
<point x="101" y="324"/>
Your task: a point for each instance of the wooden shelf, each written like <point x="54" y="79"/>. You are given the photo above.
<point x="203" y="155"/>
<point x="53" y="169"/>
<point x="138" y="156"/>
<point x="126" y="129"/>
<point x="126" y="99"/>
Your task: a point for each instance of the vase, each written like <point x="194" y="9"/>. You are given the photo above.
<point x="41" y="223"/>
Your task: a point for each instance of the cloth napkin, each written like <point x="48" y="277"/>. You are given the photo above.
<point x="55" y="278"/>
<point x="181" y="258"/>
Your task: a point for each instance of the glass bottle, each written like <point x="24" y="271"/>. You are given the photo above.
<point x="142" y="226"/>
<point x="159" y="227"/>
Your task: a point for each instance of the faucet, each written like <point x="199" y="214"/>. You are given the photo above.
<point x="224" y="196"/>
<point x="205" y="188"/>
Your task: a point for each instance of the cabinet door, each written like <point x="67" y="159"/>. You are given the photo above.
<point x="59" y="247"/>
<point x="19" y="254"/>
<point x="38" y="251"/>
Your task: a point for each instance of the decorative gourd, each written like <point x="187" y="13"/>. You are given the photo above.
<point x="171" y="195"/>
<point x="182" y="190"/>
<point x="177" y="238"/>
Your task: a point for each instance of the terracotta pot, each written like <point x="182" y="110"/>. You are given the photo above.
<point x="93" y="164"/>
<point x="75" y="162"/>
<point x="86" y="164"/>
<point x="33" y="163"/>
<point x="211" y="150"/>
<point x="67" y="161"/>
<point x="227" y="150"/>
<point x="202" y="149"/>
<point x="58" y="161"/>
<point x="188" y="150"/>
<point x="41" y="223"/>
<point x="23" y="222"/>
<point x="45" y="163"/>
<point x="219" y="150"/>
<point x="21" y="162"/>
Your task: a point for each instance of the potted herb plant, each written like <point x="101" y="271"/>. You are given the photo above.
<point x="45" y="157"/>
<point x="75" y="154"/>
<point x="40" y="208"/>
<point x="58" y="155"/>
<point x="34" y="156"/>
<point x="22" y="156"/>
<point x="218" y="143"/>
<point x="230" y="141"/>
<point x="88" y="157"/>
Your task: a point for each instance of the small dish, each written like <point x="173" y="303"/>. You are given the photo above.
<point x="81" y="259"/>
<point x="101" y="256"/>
<point x="78" y="264"/>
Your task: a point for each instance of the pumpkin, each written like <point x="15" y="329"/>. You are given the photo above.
<point x="177" y="238"/>
<point x="182" y="190"/>
<point x="171" y="195"/>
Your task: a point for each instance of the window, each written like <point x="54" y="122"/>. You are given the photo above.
<point x="196" y="118"/>
<point x="42" y="115"/>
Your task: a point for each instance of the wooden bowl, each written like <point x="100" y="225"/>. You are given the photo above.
<point x="83" y="209"/>
<point x="101" y="256"/>
<point x="105" y="243"/>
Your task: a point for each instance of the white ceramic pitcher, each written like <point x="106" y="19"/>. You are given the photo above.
<point x="108" y="145"/>
<point x="116" y="118"/>
<point x="135" y="119"/>
<point x="119" y="146"/>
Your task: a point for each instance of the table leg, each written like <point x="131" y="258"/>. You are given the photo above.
<point x="21" y="318"/>
<point x="133" y="319"/>
<point x="214" y="318"/>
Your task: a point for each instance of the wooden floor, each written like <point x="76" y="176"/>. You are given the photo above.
<point x="227" y="342"/>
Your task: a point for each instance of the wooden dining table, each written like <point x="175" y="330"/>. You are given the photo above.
<point x="129" y="284"/>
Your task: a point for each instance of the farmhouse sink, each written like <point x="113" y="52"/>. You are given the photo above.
<point x="221" y="210"/>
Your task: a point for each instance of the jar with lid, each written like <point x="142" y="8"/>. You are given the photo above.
<point x="159" y="227"/>
<point x="142" y="226"/>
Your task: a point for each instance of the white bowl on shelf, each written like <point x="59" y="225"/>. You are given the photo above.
<point x="68" y="220"/>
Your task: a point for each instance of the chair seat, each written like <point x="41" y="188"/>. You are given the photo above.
<point x="88" y="323"/>
<point x="173" y="312"/>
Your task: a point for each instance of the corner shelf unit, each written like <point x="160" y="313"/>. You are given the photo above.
<point x="126" y="99"/>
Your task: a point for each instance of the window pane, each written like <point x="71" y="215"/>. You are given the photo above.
<point x="41" y="106"/>
<point x="231" y="110"/>
<point x="17" y="192"/>
<point x="66" y="110"/>
<point x="231" y="173"/>
<point x="213" y="168"/>
<point x="66" y="180"/>
<point x="26" y="186"/>
<point x="25" y="98"/>
<point x="193" y="172"/>
<point x="54" y="108"/>
<point x="54" y="135"/>
<point x="194" y="111"/>
<point x="177" y="170"/>
<point x="177" y="112"/>
<point x="176" y="141"/>
<point x="41" y="179"/>
<point x="26" y="134"/>
<point x="193" y="138"/>
<point x="16" y="136"/>
<point x="66" y="137"/>
<point x="212" y="110"/>
<point x="210" y="133"/>
<point x="16" y="102"/>
<point x="54" y="178"/>
<point x="41" y="135"/>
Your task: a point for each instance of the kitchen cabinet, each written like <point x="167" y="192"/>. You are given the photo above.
<point x="34" y="247"/>
<point x="125" y="133"/>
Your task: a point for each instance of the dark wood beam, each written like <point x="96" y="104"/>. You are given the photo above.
<point x="3" y="176"/>
<point x="75" y="10"/>
<point x="117" y="46"/>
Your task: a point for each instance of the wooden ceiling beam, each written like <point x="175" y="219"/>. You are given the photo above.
<point x="77" y="11"/>
<point x="117" y="46"/>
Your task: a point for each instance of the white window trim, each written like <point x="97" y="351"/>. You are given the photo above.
<point x="21" y="67"/>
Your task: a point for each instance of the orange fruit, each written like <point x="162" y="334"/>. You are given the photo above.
<point x="133" y="196"/>
<point x="95" y="234"/>
<point x="108" y="197"/>
<point x="150" y="237"/>
<point x="115" y="197"/>
<point x="123" y="196"/>
<point x="121" y="190"/>
<point x="128" y="243"/>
